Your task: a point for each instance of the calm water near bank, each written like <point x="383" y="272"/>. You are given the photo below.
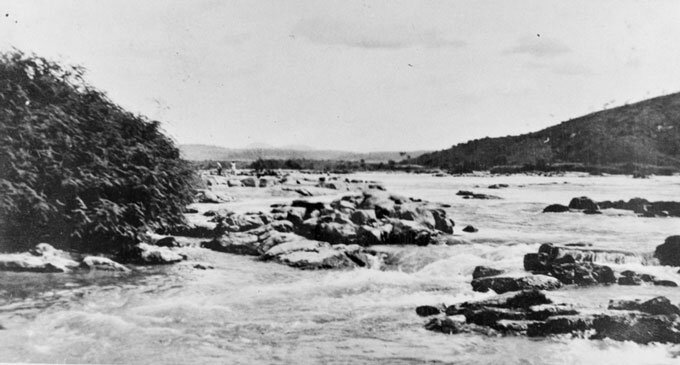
<point x="246" y="311"/>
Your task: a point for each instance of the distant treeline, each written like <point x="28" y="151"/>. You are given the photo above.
<point x="305" y="164"/>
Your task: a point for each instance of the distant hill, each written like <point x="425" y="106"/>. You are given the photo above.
<point x="199" y="152"/>
<point x="647" y="132"/>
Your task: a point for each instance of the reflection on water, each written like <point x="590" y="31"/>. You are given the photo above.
<point x="245" y="311"/>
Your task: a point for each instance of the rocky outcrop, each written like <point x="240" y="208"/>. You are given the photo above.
<point x="207" y="196"/>
<point x="669" y="252"/>
<point x="294" y="250"/>
<point x="484" y="271"/>
<point x="99" y="263"/>
<point x="43" y="258"/>
<point x="145" y="254"/>
<point x="514" y="282"/>
<point x="641" y="207"/>
<point x="575" y="264"/>
<point x="644" y="207"/>
<point x="532" y="314"/>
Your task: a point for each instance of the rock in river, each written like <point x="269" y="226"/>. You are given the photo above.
<point x="669" y="252"/>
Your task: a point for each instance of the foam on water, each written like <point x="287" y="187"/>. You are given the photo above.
<point x="246" y="311"/>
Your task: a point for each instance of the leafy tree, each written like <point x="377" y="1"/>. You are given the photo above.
<point x="77" y="169"/>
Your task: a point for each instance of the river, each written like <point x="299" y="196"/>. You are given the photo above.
<point x="245" y="312"/>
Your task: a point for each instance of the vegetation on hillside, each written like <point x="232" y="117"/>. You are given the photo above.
<point x="644" y="133"/>
<point x="77" y="169"/>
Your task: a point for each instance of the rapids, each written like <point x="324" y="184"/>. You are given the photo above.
<point x="245" y="311"/>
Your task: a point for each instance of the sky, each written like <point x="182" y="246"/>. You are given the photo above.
<point x="357" y="75"/>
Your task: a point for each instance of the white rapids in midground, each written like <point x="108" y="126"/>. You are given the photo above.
<point x="246" y="312"/>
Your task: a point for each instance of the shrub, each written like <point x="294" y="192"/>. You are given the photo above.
<point x="77" y="169"/>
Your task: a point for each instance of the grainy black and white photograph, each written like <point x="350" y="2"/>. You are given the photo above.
<point x="339" y="182"/>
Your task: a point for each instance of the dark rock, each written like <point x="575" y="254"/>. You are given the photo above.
<point x="655" y="306"/>
<point x="640" y="329"/>
<point x="669" y="252"/>
<point x="446" y="326"/>
<point x="591" y="212"/>
<point x="503" y="284"/>
<point x="559" y="325"/>
<point x="484" y="271"/>
<point x="470" y="229"/>
<point x="583" y="203"/>
<point x="363" y="216"/>
<point x="665" y="283"/>
<point x="190" y="211"/>
<point x="556" y="208"/>
<point x="464" y="193"/>
<point x="630" y="280"/>
<point x="168" y="241"/>
<point x="427" y="310"/>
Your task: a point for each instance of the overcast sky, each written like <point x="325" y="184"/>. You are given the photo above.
<point x="357" y="75"/>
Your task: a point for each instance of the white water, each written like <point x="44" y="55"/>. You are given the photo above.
<point x="245" y="311"/>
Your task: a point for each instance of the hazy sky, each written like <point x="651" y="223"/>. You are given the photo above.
<point x="357" y="75"/>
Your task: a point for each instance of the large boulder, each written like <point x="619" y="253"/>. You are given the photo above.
<point x="514" y="282"/>
<point x="250" y="182"/>
<point x="99" y="263"/>
<point x="406" y="232"/>
<point x="145" y="254"/>
<point x="323" y="258"/>
<point x="556" y="208"/>
<point x="583" y="203"/>
<point x="240" y="243"/>
<point x="363" y="216"/>
<point x="484" y="271"/>
<point x="640" y="329"/>
<point x="669" y="252"/>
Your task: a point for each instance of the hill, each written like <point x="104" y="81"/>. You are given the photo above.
<point x="644" y="133"/>
<point x="199" y="152"/>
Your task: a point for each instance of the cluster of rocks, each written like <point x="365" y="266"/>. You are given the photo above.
<point x="641" y="207"/>
<point x="241" y="181"/>
<point x="576" y="264"/>
<point x="44" y="258"/>
<point x="315" y="235"/>
<point x="471" y="195"/>
<point x="531" y="313"/>
<point x="498" y="186"/>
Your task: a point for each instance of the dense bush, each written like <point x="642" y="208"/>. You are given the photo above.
<point x="77" y="169"/>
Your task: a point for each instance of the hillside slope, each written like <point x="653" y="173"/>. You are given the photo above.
<point x="647" y="132"/>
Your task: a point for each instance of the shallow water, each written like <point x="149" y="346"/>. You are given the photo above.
<point x="245" y="311"/>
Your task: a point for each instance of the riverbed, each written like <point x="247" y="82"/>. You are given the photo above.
<point x="245" y="311"/>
